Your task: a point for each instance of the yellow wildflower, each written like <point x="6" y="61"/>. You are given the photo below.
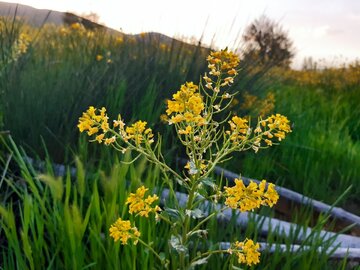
<point x="238" y="128"/>
<point x="119" y="123"/>
<point x="232" y="72"/>
<point x="99" y="138"/>
<point x="110" y="140"/>
<point x="139" y="133"/>
<point x="23" y="42"/>
<point x="279" y="122"/>
<point x="76" y="26"/>
<point x="186" y="105"/>
<point x="99" y="57"/>
<point x="163" y="46"/>
<point x="270" y="196"/>
<point x="268" y="142"/>
<point x="177" y="118"/>
<point x="249" y="101"/>
<point x="250" y="197"/>
<point x="247" y="251"/>
<point x="92" y="131"/>
<point x="119" y="40"/>
<point x="92" y="122"/>
<point x="141" y="205"/>
<point x="64" y="31"/>
<point x="122" y="230"/>
<point x="164" y="118"/>
<point x="267" y="104"/>
<point x="90" y="34"/>
<point x="186" y="131"/>
<point x="223" y="61"/>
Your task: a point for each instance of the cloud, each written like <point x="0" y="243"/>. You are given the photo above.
<point x="320" y="32"/>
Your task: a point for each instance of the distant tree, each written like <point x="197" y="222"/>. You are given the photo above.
<point x="266" y="42"/>
<point x="91" y="16"/>
<point x="309" y="64"/>
<point x="89" y="21"/>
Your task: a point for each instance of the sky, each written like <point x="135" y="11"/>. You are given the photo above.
<point x="322" y="29"/>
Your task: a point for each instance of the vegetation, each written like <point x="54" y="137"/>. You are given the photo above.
<point x="49" y="76"/>
<point x="266" y="41"/>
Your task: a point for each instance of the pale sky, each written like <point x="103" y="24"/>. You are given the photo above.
<point x="327" y="29"/>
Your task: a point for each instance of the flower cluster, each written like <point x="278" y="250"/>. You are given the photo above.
<point x="280" y="124"/>
<point x="23" y="43"/>
<point x="238" y="128"/>
<point x="73" y="28"/>
<point x="94" y="123"/>
<point x="97" y="124"/>
<point x="18" y="48"/>
<point x="257" y="106"/>
<point x="273" y="127"/>
<point x="139" y="133"/>
<point x="250" y="197"/>
<point x="186" y="106"/>
<point x="122" y="230"/>
<point x="141" y="205"/>
<point x="221" y="62"/>
<point x="247" y="251"/>
<point x="101" y="57"/>
<point x="76" y="26"/>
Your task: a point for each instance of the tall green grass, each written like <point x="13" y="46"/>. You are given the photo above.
<point x="60" y="76"/>
<point x="321" y="157"/>
<point x="62" y="222"/>
<point x="53" y="222"/>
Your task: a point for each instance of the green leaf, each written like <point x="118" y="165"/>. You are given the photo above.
<point x="175" y="243"/>
<point x="210" y="182"/>
<point x="200" y="233"/>
<point x="193" y="170"/>
<point x="80" y="175"/>
<point x="174" y="214"/>
<point x="55" y="184"/>
<point x="237" y="268"/>
<point x="199" y="262"/>
<point x="162" y="255"/>
<point x="195" y="214"/>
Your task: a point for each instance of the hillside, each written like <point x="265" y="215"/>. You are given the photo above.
<point x="37" y="17"/>
<point x="33" y="16"/>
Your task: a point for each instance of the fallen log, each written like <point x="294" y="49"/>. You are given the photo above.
<point x="336" y="212"/>
<point x="276" y="226"/>
<point x="292" y="196"/>
<point x="340" y="253"/>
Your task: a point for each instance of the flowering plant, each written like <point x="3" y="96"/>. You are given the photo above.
<point x="193" y="111"/>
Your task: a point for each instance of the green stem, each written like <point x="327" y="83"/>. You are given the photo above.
<point x="207" y="218"/>
<point x="187" y="223"/>
<point x="209" y="253"/>
<point x="165" y="219"/>
<point x="150" y="248"/>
